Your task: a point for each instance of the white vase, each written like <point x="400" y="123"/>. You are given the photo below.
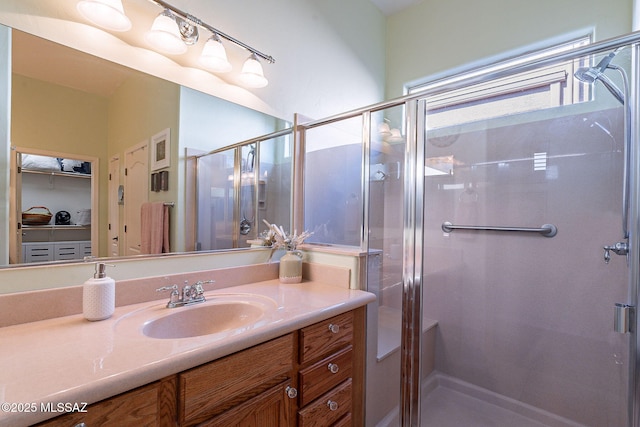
<point x="291" y="267"/>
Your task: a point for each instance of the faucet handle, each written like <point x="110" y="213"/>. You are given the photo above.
<point x="167" y="288"/>
<point x="198" y="289"/>
<point x="198" y="285"/>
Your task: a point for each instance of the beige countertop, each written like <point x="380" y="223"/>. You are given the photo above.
<point x="69" y="360"/>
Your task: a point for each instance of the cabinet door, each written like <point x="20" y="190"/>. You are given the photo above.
<point x="150" y="405"/>
<point x="211" y="389"/>
<point x="269" y="409"/>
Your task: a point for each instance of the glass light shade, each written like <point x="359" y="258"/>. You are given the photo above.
<point x="214" y="56"/>
<point x="164" y="35"/>
<point x="383" y="129"/>
<point x="252" y="74"/>
<point x="395" y="136"/>
<point x="107" y="14"/>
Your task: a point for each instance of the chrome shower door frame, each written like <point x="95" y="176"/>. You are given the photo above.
<point x="634" y="238"/>
<point x="413" y="255"/>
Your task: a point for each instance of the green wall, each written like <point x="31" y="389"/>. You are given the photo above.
<point x="439" y="35"/>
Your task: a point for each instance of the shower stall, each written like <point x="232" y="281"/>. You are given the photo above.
<point x="499" y="210"/>
<point x="239" y="186"/>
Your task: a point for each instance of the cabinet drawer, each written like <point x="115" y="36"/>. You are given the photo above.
<point x="326" y="337"/>
<point x="37" y="252"/>
<point x="324" y="375"/>
<point x="327" y="409"/>
<point x="65" y="251"/>
<point x="344" y="421"/>
<point x="210" y="389"/>
<point x="84" y="248"/>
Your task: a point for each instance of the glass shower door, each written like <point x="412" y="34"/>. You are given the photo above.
<point x="525" y="315"/>
<point x="216" y="201"/>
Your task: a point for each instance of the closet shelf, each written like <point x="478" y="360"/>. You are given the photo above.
<point x="57" y="227"/>
<point x="58" y="173"/>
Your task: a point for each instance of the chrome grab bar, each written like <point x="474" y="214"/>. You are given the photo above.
<point x="547" y="230"/>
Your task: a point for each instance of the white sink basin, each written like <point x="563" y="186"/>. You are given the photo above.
<point x="195" y="321"/>
<point x="219" y="314"/>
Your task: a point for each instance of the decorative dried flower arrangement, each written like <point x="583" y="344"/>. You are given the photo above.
<point x="277" y="238"/>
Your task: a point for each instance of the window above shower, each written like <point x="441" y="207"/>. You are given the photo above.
<point x="537" y="89"/>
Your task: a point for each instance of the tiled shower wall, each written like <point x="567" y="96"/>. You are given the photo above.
<point x="523" y="315"/>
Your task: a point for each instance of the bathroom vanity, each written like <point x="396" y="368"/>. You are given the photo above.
<point x="300" y="364"/>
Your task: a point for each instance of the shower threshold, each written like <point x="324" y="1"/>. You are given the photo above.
<point x="449" y="402"/>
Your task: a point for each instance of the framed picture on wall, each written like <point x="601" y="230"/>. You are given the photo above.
<point x="161" y="150"/>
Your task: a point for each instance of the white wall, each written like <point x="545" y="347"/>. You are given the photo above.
<point x="436" y="36"/>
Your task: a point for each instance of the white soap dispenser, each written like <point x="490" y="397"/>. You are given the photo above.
<point x="99" y="295"/>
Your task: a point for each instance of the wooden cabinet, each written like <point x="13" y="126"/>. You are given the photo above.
<point x="331" y="370"/>
<point x="150" y="405"/>
<point x="308" y="378"/>
<point x="271" y="408"/>
<point x="240" y="383"/>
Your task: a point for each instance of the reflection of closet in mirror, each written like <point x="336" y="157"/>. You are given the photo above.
<point x="52" y="207"/>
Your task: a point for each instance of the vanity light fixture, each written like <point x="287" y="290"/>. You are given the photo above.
<point x="107" y="14"/>
<point x="214" y="56"/>
<point x="173" y="31"/>
<point x="252" y="74"/>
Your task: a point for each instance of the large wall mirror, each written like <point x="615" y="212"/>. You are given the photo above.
<point x="67" y="101"/>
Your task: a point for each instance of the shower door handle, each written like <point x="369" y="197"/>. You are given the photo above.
<point x="619" y="248"/>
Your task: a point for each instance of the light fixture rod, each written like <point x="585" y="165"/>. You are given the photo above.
<point x="190" y="18"/>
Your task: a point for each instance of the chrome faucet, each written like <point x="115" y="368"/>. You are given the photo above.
<point x="191" y="294"/>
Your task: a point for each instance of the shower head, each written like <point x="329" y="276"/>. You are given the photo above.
<point x="251" y="157"/>
<point x="590" y="75"/>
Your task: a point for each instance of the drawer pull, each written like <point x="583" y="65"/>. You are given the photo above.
<point x="334" y="328"/>
<point x="333" y="368"/>
<point x="292" y="393"/>
<point x="333" y="406"/>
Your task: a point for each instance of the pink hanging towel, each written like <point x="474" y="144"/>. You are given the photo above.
<point x="154" y="225"/>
